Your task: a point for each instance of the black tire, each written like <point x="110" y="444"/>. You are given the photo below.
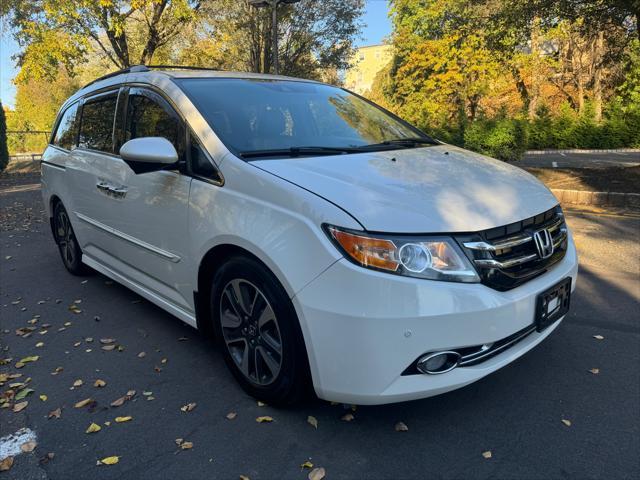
<point x="291" y="382"/>
<point x="65" y="238"/>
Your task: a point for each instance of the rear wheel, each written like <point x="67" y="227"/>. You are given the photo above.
<point x="68" y="246"/>
<point x="258" y="331"/>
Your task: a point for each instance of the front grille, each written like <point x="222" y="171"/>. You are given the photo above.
<point x="507" y="256"/>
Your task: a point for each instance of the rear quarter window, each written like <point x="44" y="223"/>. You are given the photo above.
<point x="66" y="134"/>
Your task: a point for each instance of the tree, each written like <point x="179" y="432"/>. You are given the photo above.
<point x="62" y="32"/>
<point x="4" y="150"/>
<point x="316" y="37"/>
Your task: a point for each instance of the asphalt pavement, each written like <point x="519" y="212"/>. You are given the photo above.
<point x="547" y="415"/>
<point x="580" y="160"/>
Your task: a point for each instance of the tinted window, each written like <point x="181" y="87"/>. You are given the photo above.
<point x="148" y="115"/>
<point x="266" y="114"/>
<point x="200" y="163"/>
<point x="96" y="129"/>
<point x="67" y="131"/>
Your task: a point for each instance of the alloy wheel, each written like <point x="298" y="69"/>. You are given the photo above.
<point x="66" y="239"/>
<point x="251" y="331"/>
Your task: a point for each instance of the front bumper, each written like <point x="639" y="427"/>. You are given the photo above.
<point x="363" y="328"/>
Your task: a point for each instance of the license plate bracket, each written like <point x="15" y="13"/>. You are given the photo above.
<point x="553" y="304"/>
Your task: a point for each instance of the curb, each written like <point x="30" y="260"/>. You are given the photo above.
<point x="582" y="150"/>
<point x="597" y="199"/>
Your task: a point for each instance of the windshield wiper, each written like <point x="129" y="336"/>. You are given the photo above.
<point x="408" y="142"/>
<point x="299" y="151"/>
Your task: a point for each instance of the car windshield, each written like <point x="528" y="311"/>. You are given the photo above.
<point x="291" y="118"/>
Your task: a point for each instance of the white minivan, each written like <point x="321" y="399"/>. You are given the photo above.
<point x="322" y="240"/>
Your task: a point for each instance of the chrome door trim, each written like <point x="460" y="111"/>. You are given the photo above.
<point x="140" y="243"/>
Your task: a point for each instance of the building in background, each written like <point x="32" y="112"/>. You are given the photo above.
<point x="365" y="64"/>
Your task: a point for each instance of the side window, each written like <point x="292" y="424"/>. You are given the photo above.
<point x="96" y="126"/>
<point x="149" y="115"/>
<point x="67" y="131"/>
<point x="200" y="163"/>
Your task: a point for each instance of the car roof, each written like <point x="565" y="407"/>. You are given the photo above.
<point x="153" y="74"/>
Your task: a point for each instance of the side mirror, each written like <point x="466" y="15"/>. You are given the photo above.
<point x="148" y="154"/>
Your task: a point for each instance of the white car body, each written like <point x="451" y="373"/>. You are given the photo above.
<point x="362" y="328"/>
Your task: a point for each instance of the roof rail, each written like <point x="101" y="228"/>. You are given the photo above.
<point x="180" y="67"/>
<point x="146" y="68"/>
<point x="131" y="69"/>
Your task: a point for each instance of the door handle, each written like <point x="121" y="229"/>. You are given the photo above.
<point x="111" y="190"/>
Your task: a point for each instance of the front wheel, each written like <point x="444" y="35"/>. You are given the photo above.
<point x="68" y="246"/>
<point x="258" y="330"/>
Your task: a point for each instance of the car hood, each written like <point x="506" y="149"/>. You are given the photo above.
<point x="433" y="189"/>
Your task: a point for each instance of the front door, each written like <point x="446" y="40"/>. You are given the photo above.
<point x="151" y="216"/>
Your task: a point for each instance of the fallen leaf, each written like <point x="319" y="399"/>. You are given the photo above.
<point x="109" y="461"/>
<point x="39" y="344"/>
<point x="244" y="477"/>
<point x="264" y="419"/>
<point x="598" y="337"/>
<point x="231" y="415"/>
<point x="99" y="383"/>
<point x="118" y="402"/>
<point x="347" y="417"/>
<point x="106" y="341"/>
<point x="566" y="422"/>
<point x="83" y="403"/>
<point x="23" y="393"/>
<point x="401" y="427"/>
<point x="47" y="458"/>
<point x="487" y="454"/>
<point x="179" y="441"/>
<point x="33" y="358"/>
<point x="43" y="398"/>
<point x="107" y="423"/>
<point x="317" y="474"/>
<point x="163" y="361"/>
<point x="123" y="419"/>
<point x="6" y="464"/>
<point x="595" y="371"/>
<point x="108" y="348"/>
<point x="261" y="404"/>
<point x="20" y="406"/>
<point x="147" y="394"/>
<point x="313" y="421"/>
<point x="142" y="355"/>
<point x="28" y="446"/>
<point x="55" y="413"/>
<point x="78" y="383"/>
<point x="186" y="445"/>
<point x="188" y="407"/>
<point x="306" y="464"/>
<point x="57" y="371"/>
<point x="94" y="427"/>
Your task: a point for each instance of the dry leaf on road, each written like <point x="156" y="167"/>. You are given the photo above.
<point x="94" y="427"/>
<point x="109" y="461"/>
<point x="306" y="464"/>
<point x="78" y="383"/>
<point x="28" y="447"/>
<point x="231" y="415"/>
<point x="595" y="371"/>
<point x="83" y="403"/>
<point x="566" y="422"/>
<point x="598" y="337"/>
<point x="347" y="417"/>
<point x="20" y="406"/>
<point x="55" y="413"/>
<point x="123" y="419"/>
<point x="99" y="383"/>
<point x="188" y="407"/>
<point x="313" y="421"/>
<point x="6" y="464"/>
<point x="401" y="427"/>
<point x="264" y="419"/>
<point x="487" y="454"/>
<point x="317" y="474"/>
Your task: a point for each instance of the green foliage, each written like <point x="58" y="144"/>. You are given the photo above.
<point x="4" y="151"/>
<point x="502" y="138"/>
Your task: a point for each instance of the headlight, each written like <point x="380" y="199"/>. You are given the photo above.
<point x="435" y="258"/>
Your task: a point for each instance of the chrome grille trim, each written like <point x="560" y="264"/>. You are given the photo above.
<point x="509" y="242"/>
<point x="477" y="357"/>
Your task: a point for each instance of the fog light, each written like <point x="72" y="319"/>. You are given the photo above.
<point x="439" y="362"/>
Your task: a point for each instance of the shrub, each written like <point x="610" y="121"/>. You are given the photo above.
<point x="505" y="139"/>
